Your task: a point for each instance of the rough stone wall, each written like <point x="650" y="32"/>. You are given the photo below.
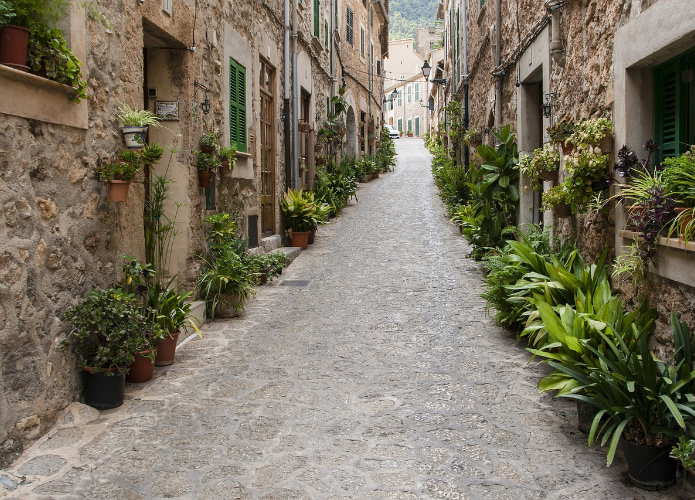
<point x="583" y="87"/>
<point x="59" y="236"/>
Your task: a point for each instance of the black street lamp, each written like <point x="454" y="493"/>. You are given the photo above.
<point x="426" y="70"/>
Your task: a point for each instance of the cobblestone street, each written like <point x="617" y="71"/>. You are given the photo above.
<point x="369" y="369"/>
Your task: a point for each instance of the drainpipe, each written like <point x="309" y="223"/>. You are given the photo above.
<point x="498" y="62"/>
<point x="466" y="124"/>
<point x="295" y="101"/>
<point x="286" y="98"/>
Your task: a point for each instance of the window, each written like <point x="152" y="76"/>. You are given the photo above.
<point x="417" y="126"/>
<point x="400" y="98"/>
<point x="674" y="106"/>
<point x="431" y="45"/>
<point x="417" y="91"/>
<point x="317" y="19"/>
<point x="400" y="124"/>
<point x="348" y="26"/>
<point x="410" y="125"/>
<point x="237" y="104"/>
<point x="166" y="6"/>
<point x="325" y="32"/>
<point x="410" y="94"/>
<point x="362" y="41"/>
<point x="378" y="67"/>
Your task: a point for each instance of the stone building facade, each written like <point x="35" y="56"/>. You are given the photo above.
<point x="588" y="59"/>
<point x="61" y="238"/>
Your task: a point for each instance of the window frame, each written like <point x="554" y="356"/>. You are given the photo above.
<point x="349" y="26"/>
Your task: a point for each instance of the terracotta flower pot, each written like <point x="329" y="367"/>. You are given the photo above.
<point x="312" y="236"/>
<point x="166" y="349"/>
<point x="205" y="178"/>
<point x="225" y="171"/>
<point x="117" y="191"/>
<point x="14" y="41"/>
<point x="142" y="368"/>
<point x="300" y="239"/>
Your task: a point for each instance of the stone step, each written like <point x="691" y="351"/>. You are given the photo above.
<point x="270" y="243"/>
<point x="291" y="252"/>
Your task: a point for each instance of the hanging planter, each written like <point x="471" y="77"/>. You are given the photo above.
<point x="14" y="41"/>
<point x="117" y="191"/>
<point x="134" y="137"/>
<point x="225" y="170"/>
<point x="205" y="178"/>
<point x="562" y="210"/>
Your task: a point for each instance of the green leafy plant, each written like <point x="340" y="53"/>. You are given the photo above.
<point x="123" y="169"/>
<point x="684" y="452"/>
<point x="107" y="331"/>
<point x="555" y="196"/>
<point x="226" y="276"/>
<point x="639" y="397"/>
<point x="209" y="140"/>
<point x="7" y="13"/>
<point x="545" y="159"/>
<point x="228" y="153"/>
<point x="49" y="54"/>
<point x="299" y="212"/>
<point x="590" y="132"/>
<point x="561" y="130"/>
<point x="222" y="232"/>
<point x="206" y="161"/>
<point x="36" y="15"/>
<point x="130" y="117"/>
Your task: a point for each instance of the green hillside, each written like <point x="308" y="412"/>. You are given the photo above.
<point x="407" y="15"/>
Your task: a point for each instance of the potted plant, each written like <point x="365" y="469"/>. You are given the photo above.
<point x="206" y="165"/>
<point x="227" y="157"/>
<point x="679" y="181"/>
<point x="134" y="124"/>
<point x="300" y="216"/>
<point x="560" y="132"/>
<point x="472" y="138"/>
<point x="592" y="132"/>
<point x="107" y="331"/>
<point x="118" y="175"/>
<point x="226" y="284"/>
<point x="208" y="142"/>
<point x="49" y="56"/>
<point x="541" y="166"/>
<point x="558" y="199"/>
<point x="14" y="39"/>
<point x="644" y="403"/>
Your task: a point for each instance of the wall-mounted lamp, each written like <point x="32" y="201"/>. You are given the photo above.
<point x="344" y="82"/>
<point x="429" y="105"/>
<point x="426" y="70"/>
<point x="394" y="96"/>
<point x="206" y="105"/>
<point x="547" y="106"/>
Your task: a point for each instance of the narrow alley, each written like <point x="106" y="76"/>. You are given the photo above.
<point x="368" y="369"/>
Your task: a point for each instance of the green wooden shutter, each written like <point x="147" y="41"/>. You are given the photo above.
<point x="317" y="23"/>
<point x="666" y="102"/>
<point x="417" y="126"/>
<point x="325" y="33"/>
<point x="237" y="105"/>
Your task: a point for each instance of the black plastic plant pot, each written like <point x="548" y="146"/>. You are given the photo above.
<point x="649" y="467"/>
<point x="102" y="390"/>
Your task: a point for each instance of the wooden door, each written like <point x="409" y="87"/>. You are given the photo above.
<point x="267" y="74"/>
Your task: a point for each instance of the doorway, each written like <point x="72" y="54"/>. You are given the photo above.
<point x="267" y="143"/>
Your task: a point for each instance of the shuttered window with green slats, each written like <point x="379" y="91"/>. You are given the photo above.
<point x="237" y="105"/>
<point x="674" y="106"/>
<point x="317" y="19"/>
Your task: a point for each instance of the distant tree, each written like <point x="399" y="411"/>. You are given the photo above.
<point x="405" y="16"/>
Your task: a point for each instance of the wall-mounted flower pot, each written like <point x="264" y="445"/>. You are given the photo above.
<point x="134" y="137"/>
<point x="205" y="178"/>
<point x="117" y="191"/>
<point x="207" y="149"/>
<point x="606" y="144"/>
<point x="562" y="210"/>
<point x="14" y="41"/>
<point x="225" y="171"/>
<point x="548" y="175"/>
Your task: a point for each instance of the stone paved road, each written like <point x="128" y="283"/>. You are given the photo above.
<point x="369" y="370"/>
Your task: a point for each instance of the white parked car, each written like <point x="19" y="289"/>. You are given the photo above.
<point x="393" y="131"/>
